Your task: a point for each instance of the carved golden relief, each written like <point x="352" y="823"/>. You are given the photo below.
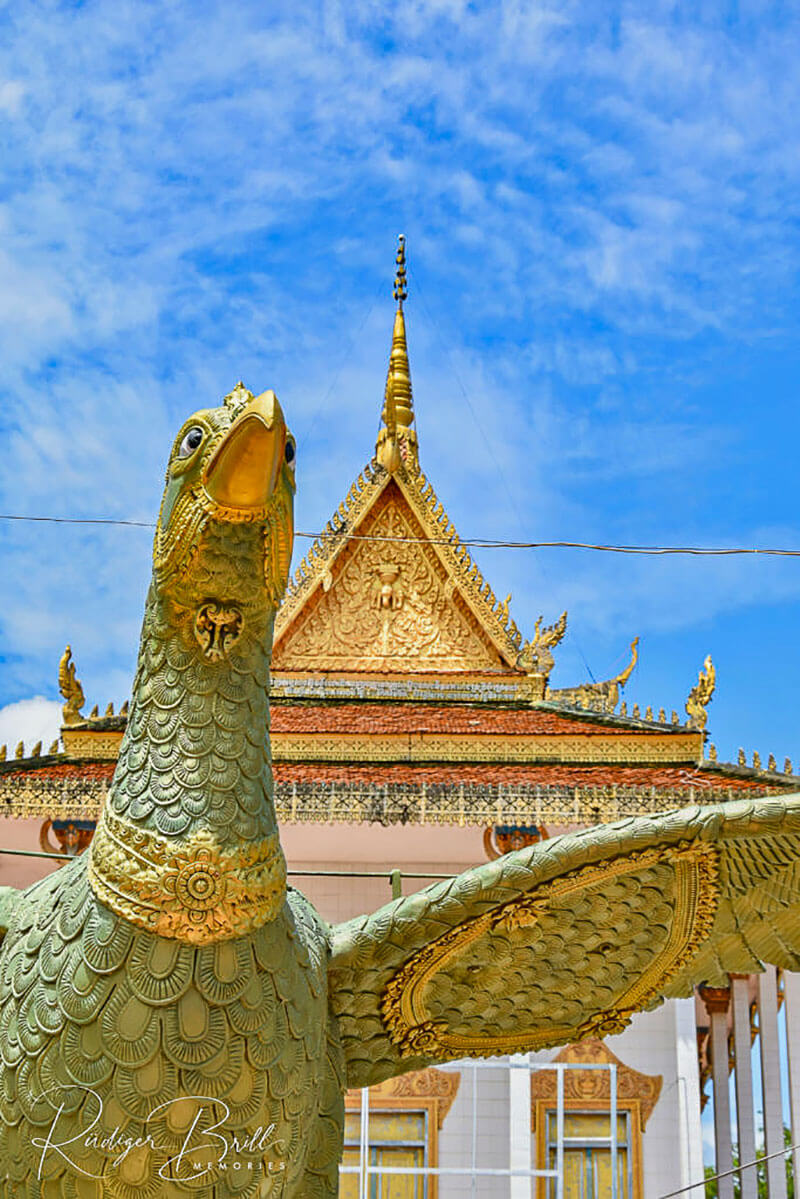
<point x="622" y="750"/>
<point x="690" y="872"/>
<point x="390" y="606"/>
<point x="92" y="744"/>
<point x="217" y="628"/>
<point x="592" y="1088"/>
<point x="431" y="1088"/>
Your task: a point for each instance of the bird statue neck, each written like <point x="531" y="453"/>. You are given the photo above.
<point x="187" y="844"/>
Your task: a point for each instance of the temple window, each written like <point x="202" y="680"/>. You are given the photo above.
<point x="587" y="1122"/>
<point x="405" y="1116"/>
<point x="396" y="1139"/>
<point x="587" y="1154"/>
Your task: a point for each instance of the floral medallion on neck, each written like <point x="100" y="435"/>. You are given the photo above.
<point x="188" y="889"/>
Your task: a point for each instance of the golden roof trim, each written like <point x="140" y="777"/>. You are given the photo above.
<point x="677" y="749"/>
<point x="473" y="805"/>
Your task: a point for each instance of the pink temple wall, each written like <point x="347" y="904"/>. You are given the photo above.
<point x="440" y="849"/>
<point x="361" y="847"/>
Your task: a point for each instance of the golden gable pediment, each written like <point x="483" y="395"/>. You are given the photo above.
<point x="388" y="605"/>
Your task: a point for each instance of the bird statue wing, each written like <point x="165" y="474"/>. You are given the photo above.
<point x="567" y="939"/>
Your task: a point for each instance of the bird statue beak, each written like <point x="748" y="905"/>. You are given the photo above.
<point x="244" y="468"/>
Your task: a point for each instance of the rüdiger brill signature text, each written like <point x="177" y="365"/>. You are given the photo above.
<point x="206" y="1148"/>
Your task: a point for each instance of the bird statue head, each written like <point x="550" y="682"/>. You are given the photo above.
<point x="224" y="536"/>
<point x="193" y="789"/>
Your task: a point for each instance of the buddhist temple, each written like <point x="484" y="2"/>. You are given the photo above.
<point x="415" y="733"/>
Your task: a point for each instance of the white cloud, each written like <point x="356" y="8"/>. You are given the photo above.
<point x="30" y="720"/>
<point x="11" y="96"/>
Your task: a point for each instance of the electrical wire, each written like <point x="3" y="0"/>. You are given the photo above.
<point x="700" y="551"/>
<point x="727" y="1173"/>
<point x="81" y="520"/>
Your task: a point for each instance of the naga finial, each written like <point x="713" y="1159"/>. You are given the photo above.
<point x="70" y="687"/>
<point x="700" y="695"/>
<point x="612" y="687"/>
<point x="608" y="691"/>
<point x="535" y="656"/>
<point x="397" y="441"/>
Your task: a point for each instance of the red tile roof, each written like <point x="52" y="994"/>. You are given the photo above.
<point x="62" y="770"/>
<point x="448" y="718"/>
<point x="490" y="774"/>
<point x="487" y="774"/>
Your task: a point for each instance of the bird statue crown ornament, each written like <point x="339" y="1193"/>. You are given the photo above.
<point x="175" y="1021"/>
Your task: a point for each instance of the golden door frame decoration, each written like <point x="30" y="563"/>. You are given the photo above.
<point x="432" y="1091"/>
<point x="406" y="1016"/>
<point x="590" y="1091"/>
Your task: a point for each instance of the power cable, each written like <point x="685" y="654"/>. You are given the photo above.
<point x="81" y="520"/>
<point x="698" y="551"/>
<point x="727" y="1173"/>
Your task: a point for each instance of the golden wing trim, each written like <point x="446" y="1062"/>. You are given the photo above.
<point x="405" y="1014"/>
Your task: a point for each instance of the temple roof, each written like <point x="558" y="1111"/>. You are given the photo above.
<point x="439" y="762"/>
<point x="469" y="792"/>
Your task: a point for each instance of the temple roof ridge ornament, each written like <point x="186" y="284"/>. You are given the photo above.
<point x="701" y="694"/>
<point x="535" y="656"/>
<point x="70" y="687"/>
<point x="397" y="440"/>
<point x="608" y="690"/>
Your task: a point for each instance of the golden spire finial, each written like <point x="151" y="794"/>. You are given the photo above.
<point x="400" y="284"/>
<point x="397" y="441"/>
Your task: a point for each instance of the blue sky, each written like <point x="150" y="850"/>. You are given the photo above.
<point x="601" y="206"/>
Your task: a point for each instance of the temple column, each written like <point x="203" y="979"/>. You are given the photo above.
<point x="691" y="1136"/>
<point x="771" y="1082"/>
<point x="791" y="984"/>
<point x="519" y="1124"/>
<point x="716" y="1000"/>
<point x="743" y="1075"/>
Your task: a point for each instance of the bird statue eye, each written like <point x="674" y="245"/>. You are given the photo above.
<point x="290" y="453"/>
<point x="190" y="442"/>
